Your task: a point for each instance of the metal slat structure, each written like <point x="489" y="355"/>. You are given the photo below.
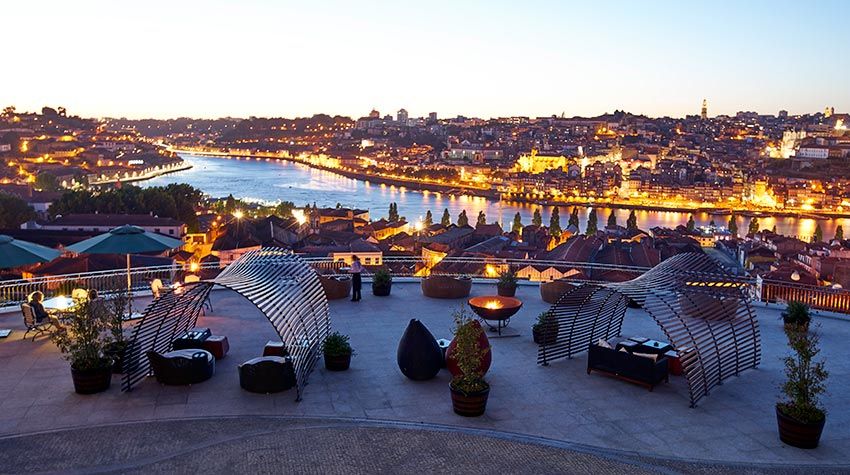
<point x="704" y="311"/>
<point x="280" y="284"/>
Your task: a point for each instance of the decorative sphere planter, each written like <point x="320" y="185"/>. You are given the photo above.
<point x="91" y="381"/>
<point x="419" y="356"/>
<point x="483" y="343"/>
<point x="336" y="286"/>
<point x="551" y="291"/>
<point x="446" y="287"/>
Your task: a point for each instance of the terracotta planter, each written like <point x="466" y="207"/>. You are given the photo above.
<point x="337" y="362"/>
<point x="469" y="404"/>
<point x="91" y="381"/>
<point x="551" y="291"/>
<point x="486" y="361"/>
<point x="446" y="287"/>
<point x="336" y="287"/>
<point x="798" y="434"/>
<point x="381" y="290"/>
<point x="506" y="290"/>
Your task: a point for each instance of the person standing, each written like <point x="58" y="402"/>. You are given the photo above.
<point x="356" y="282"/>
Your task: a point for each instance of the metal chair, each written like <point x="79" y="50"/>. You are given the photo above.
<point x="39" y="328"/>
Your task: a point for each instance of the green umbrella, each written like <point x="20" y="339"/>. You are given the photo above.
<point x="14" y="253"/>
<point x="128" y="240"/>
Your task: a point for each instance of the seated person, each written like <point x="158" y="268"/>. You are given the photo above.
<point x="36" y="299"/>
<point x="156" y="288"/>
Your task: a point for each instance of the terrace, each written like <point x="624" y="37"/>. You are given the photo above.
<point x="539" y="418"/>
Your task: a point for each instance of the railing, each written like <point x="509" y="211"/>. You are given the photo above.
<point x="15" y="292"/>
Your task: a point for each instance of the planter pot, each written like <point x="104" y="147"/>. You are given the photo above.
<point x="545" y="336"/>
<point x="116" y="354"/>
<point x="91" y="381"/>
<point x="798" y="434"/>
<point x="381" y="290"/>
<point x="506" y="290"/>
<point x="483" y="343"/>
<point x="337" y="362"/>
<point x="790" y="324"/>
<point x="469" y="404"/>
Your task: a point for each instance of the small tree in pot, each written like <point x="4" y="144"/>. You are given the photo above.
<point x="506" y="287"/>
<point x="82" y="341"/>
<point x="382" y="282"/>
<point x="469" y="390"/>
<point x="800" y="417"/>
<point x="117" y="344"/>
<point x="338" y="352"/>
<point x="797" y="315"/>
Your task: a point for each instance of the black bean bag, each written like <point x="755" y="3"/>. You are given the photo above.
<point x="419" y="356"/>
<point x="267" y="374"/>
<point x="181" y="367"/>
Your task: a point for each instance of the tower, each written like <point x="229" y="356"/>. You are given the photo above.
<point x="704" y="113"/>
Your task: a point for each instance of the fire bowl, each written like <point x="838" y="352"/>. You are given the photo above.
<point x="495" y="307"/>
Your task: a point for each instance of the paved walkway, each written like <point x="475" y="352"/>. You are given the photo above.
<point x="561" y="402"/>
<point x="323" y="446"/>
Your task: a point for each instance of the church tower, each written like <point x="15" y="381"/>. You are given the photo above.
<point x="704" y="113"/>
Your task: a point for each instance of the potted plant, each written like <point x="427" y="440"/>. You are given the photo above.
<point x="469" y="390"/>
<point x="116" y="347"/>
<point x="506" y="286"/>
<point x="337" y="352"/>
<point x="545" y="329"/>
<point x="382" y="283"/>
<point x="797" y="315"/>
<point x="82" y="341"/>
<point x="800" y="417"/>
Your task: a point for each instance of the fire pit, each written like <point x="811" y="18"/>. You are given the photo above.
<point x="495" y="308"/>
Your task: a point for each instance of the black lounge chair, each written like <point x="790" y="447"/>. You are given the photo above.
<point x="267" y="374"/>
<point x="182" y="367"/>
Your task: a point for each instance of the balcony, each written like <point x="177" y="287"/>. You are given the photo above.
<point x="559" y="407"/>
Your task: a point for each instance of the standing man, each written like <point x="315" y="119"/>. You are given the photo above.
<point x="356" y="283"/>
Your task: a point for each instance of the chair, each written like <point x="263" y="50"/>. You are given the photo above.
<point x="267" y="374"/>
<point x="182" y="367"/>
<point x="39" y="328"/>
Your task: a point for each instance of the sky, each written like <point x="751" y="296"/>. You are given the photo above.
<point x="491" y="58"/>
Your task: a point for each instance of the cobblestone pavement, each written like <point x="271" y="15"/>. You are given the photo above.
<point x="322" y="446"/>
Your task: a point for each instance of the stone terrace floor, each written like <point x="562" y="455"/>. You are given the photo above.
<point x="538" y="419"/>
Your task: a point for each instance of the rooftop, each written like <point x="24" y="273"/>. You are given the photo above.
<point x="538" y="419"/>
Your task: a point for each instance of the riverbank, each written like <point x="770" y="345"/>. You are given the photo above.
<point x="145" y="174"/>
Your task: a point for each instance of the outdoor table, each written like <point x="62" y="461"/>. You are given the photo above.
<point x="58" y="304"/>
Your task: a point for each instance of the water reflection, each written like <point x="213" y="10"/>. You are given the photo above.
<point x="276" y="180"/>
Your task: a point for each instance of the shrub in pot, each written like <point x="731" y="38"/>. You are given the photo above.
<point x="797" y="315"/>
<point x="506" y="287"/>
<point x="338" y="352"/>
<point x="469" y="390"/>
<point x="483" y="343"/>
<point x="82" y="340"/>
<point x="545" y="329"/>
<point x="382" y="283"/>
<point x="800" y="416"/>
<point x="117" y="345"/>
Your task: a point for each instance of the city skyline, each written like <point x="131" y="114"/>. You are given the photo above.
<point x="209" y="60"/>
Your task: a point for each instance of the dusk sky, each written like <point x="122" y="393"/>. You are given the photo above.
<point x="475" y="58"/>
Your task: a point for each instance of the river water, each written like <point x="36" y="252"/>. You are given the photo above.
<point x="270" y="181"/>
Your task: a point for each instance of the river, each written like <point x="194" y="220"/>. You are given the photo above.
<point x="272" y="180"/>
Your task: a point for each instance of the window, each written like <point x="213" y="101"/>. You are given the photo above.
<point x="368" y="260"/>
<point x="156" y="230"/>
<point x="171" y="231"/>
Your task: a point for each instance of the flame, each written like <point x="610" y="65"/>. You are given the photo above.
<point x="493" y="305"/>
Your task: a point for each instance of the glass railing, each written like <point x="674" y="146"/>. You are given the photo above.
<point x="529" y="271"/>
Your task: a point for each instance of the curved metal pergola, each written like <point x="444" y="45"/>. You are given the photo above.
<point x="703" y="310"/>
<point x="281" y="285"/>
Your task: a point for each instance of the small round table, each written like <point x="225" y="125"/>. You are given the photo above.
<point x="495" y="308"/>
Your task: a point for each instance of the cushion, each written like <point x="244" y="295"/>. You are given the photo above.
<point x="604" y="343"/>
<point x="646" y="355"/>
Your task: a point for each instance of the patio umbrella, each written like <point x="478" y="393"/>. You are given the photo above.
<point x="127" y="240"/>
<point x="14" y="253"/>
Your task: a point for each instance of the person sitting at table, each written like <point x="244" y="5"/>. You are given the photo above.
<point x="36" y="299"/>
<point x="156" y="288"/>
